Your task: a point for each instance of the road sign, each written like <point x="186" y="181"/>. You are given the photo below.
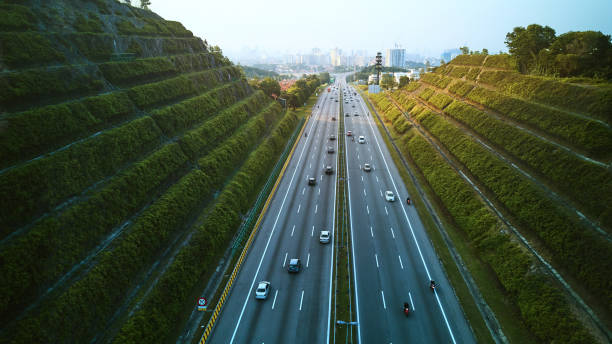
<point x="202" y="304"/>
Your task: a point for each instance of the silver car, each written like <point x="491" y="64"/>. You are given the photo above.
<point x="262" y="291"/>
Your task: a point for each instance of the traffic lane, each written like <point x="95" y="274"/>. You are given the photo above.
<point x="242" y="285"/>
<point x="447" y="302"/>
<point x="395" y="283"/>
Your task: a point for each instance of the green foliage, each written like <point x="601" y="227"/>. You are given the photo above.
<point x="198" y="141"/>
<point x="178" y="117"/>
<point x="40" y="185"/>
<point x="586" y="183"/>
<point x="157" y="317"/>
<point x="387" y="81"/>
<point x="16" y="18"/>
<point x="252" y="72"/>
<point x="459" y="71"/>
<point x="269" y="86"/>
<point x="542" y="307"/>
<point x="586" y="53"/>
<point x="426" y="93"/>
<point x="192" y="62"/>
<point x="97" y="47"/>
<point x="403" y="81"/>
<point x="503" y="61"/>
<point x="576" y="248"/>
<point x="440" y="100"/>
<point x="472" y="74"/>
<point x="91" y="24"/>
<point x="460" y="87"/>
<point x="596" y="101"/>
<point x="436" y="79"/>
<point x="52" y="246"/>
<point x="525" y="44"/>
<point x="589" y="135"/>
<point x="152" y="94"/>
<point x="173" y="46"/>
<point x="29" y="86"/>
<point x="412" y="86"/>
<point x="31" y="133"/>
<point x="297" y="94"/>
<point x="22" y="49"/>
<point x="137" y="70"/>
<point x="469" y="60"/>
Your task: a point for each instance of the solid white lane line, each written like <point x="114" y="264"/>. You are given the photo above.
<point x="368" y="209"/>
<point x="292" y="229"/>
<point x="400" y="259"/>
<point x="411" y="302"/>
<point x="316" y="208"/>
<point x="301" y="299"/>
<point x="299" y="207"/>
<point x="308" y="259"/>
<point x="383" y="299"/>
<point x="274" y="302"/>
<point x="392" y="233"/>
<point x="385" y="210"/>
<point x="285" y="261"/>
<point x="376" y="257"/>
<point x="371" y="232"/>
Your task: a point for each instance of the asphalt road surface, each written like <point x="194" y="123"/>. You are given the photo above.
<point x="392" y="256"/>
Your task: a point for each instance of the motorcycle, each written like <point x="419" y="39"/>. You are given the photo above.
<point x="408" y="200"/>
<point x="432" y="286"/>
<point x="406" y="308"/>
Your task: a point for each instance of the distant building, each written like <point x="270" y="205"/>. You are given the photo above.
<point x="450" y="54"/>
<point x="373" y="88"/>
<point x="395" y="58"/>
<point x="412" y="74"/>
<point x="373" y="79"/>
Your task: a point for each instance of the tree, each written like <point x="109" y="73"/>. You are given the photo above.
<point x="404" y="80"/>
<point x="485" y="51"/>
<point x="442" y="62"/>
<point x="387" y="81"/>
<point x="526" y="43"/>
<point x="144" y="4"/>
<point x="585" y="53"/>
<point x="464" y="50"/>
<point x="269" y="86"/>
<point x="324" y="77"/>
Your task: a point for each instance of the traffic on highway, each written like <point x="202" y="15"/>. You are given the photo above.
<point x="283" y="293"/>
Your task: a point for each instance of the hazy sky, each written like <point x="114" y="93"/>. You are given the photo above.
<point x="425" y="27"/>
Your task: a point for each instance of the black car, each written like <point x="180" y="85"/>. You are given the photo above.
<point x="294" y="265"/>
<point x="329" y="169"/>
<point x="312" y="181"/>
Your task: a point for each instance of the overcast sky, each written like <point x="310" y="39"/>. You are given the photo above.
<point x="425" y="27"/>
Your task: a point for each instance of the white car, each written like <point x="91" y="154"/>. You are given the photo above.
<point x="361" y="139"/>
<point x="262" y="291"/>
<point x="324" y="237"/>
<point x="389" y="196"/>
<point x="367" y="167"/>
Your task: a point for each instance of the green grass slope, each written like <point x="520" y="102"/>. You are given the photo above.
<point x="118" y="129"/>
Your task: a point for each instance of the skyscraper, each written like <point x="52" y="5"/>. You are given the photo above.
<point x="395" y="57"/>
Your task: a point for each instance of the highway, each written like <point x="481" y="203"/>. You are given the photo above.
<point x="392" y="257"/>
<point x="298" y="306"/>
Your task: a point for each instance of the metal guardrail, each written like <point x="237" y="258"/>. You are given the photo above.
<point x="268" y="189"/>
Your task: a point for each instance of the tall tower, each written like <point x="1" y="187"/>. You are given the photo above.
<point x="378" y="66"/>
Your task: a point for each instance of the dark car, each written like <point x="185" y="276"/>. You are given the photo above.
<point x="312" y="181"/>
<point x="330" y="149"/>
<point x="332" y="137"/>
<point x="294" y="265"/>
<point x="329" y="169"/>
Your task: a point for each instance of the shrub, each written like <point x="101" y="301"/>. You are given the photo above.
<point x="97" y="47"/>
<point x="472" y="74"/>
<point x="157" y="319"/>
<point x="27" y="48"/>
<point x="589" y="135"/>
<point x="503" y="61"/>
<point x="586" y="183"/>
<point x="469" y="60"/>
<point x="426" y="93"/>
<point x="440" y="100"/>
<point x="31" y="133"/>
<point x="437" y="80"/>
<point x="16" y="18"/>
<point x="29" y="86"/>
<point x="40" y="185"/>
<point x="460" y="87"/>
<point x="573" y="246"/>
<point x="92" y="24"/>
<point x="459" y="71"/>
<point x="596" y="101"/>
<point x="138" y="70"/>
<point x="32" y="262"/>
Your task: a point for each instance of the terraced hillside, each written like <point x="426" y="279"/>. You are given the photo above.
<point x="521" y="166"/>
<point x="129" y="152"/>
